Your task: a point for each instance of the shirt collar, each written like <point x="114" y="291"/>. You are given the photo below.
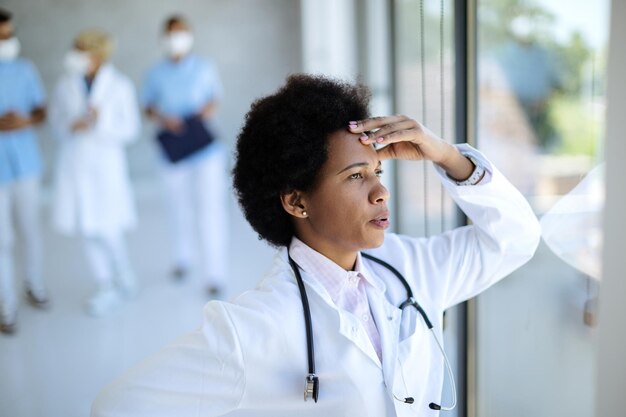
<point x="333" y="278"/>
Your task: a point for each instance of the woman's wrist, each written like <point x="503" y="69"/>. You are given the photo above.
<point x="457" y="166"/>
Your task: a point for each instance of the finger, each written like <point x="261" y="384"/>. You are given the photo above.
<point x="9" y="117"/>
<point x="399" y="136"/>
<point x="407" y="126"/>
<point x="372" y="123"/>
<point x="8" y="125"/>
<point x="394" y="152"/>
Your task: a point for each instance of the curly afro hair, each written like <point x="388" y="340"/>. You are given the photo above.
<point x="283" y="145"/>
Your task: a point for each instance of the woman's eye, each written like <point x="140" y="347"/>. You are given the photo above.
<point x="379" y="173"/>
<point x="356" y="176"/>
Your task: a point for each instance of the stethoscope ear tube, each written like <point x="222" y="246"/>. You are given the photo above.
<point x="311" y="386"/>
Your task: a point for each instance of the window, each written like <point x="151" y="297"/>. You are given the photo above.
<point x="424" y="73"/>
<point x="541" y="78"/>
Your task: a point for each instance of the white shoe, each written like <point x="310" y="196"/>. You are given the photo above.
<point x="8" y="321"/>
<point x="37" y="298"/>
<point x="104" y="301"/>
<point x="127" y="285"/>
<point x="180" y="273"/>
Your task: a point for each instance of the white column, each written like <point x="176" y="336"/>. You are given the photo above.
<point x="377" y="55"/>
<point x="329" y="44"/>
<point x="610" y="398"/>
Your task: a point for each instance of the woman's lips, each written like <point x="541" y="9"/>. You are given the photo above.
<point x="381" y="221"/>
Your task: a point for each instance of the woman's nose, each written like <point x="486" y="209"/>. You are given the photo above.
<point x="379" y="194"/>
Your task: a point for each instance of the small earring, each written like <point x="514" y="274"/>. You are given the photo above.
<point x="304" y="213"/>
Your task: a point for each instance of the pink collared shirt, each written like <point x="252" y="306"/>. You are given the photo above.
<point x="346" y="288"/>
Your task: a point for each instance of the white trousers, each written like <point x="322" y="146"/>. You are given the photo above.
<point x="19" y="206"/>
<point x="197" y="201"/>
<point x="108" y="258"/>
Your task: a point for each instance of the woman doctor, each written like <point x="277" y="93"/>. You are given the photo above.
<point x="308" y="179"/>
<point x="94" y="114"/>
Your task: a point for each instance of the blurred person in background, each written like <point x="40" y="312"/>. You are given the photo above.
<point x="94" y="115"/>
<point x="533" y="78"/>
<point x="181" y="94"/>
<point x="22" y="107"/>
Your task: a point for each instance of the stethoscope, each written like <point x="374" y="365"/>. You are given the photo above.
<point x="312" y="384"/>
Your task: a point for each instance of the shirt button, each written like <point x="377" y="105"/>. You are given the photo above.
<point x="366" y="317"/>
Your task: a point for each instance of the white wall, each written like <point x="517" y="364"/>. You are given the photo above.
<point x="255" y="44"/>
<point x="329" y="44"/>
<point x="611" y="381"/>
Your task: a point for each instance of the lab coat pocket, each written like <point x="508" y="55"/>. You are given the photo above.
<point x="408" y="323"/>
<point x="414" y="335"/>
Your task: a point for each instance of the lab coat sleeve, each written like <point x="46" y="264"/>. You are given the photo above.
<point x="118" y="119"/>
<point x="200" y="375"/>
<point x="60" y="117"/>
<point x="504" y="234"/>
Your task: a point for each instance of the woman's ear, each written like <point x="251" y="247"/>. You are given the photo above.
<point x="293" y="203"/>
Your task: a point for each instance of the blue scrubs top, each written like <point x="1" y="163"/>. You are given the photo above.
<point x="179" y="89"/>
<point x="21" y="91"/>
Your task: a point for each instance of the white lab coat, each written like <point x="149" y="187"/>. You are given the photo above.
<point x="249" y="358"/>
<point x="92" y="191"/>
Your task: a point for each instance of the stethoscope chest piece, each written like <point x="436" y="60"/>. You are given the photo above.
<point x="311" y="387"/>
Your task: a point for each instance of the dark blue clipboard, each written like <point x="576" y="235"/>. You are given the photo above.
<point x="193" y="137"/>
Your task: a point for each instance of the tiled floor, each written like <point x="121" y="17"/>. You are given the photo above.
<point x="59" y="360"/>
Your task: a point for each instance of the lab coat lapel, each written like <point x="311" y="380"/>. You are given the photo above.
<point x="76" y="104"/>
<point x="387" y="318"/>
<point x="101" y="85"/>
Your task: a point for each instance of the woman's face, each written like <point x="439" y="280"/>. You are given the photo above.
<point x="94" y="61"/>
<point x="347" y="211"/>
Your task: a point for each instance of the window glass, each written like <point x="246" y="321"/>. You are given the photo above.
<point x="425" y="91"/>
<point x="424" y="74"/>
<point x="541" y="105"/>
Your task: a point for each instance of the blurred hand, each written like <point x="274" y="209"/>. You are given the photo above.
<point x="80" y="125"/>
<point x="13" y="121"/>
<point x="86" y="122"/>
<point x="173" y="124"/>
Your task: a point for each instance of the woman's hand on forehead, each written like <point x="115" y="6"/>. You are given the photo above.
<point x="401" y="138"/>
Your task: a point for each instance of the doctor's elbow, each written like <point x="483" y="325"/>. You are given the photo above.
<point x="98" y="407"/>
<point x="529" y="238"/>
<point x="109" y="401"/>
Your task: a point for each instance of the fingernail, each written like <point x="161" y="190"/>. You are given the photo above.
<point x="363" y="137"/>
<point x="352" y="123"/>
<point x="379" y="140"/>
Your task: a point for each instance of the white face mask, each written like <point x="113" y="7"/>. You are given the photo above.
<point x="77" y="62"/>
<point x="178" y="43"/>
<point x="9" y="49"/>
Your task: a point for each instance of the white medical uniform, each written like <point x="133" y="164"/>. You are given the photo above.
<point x="93" y="195"/>
<point x="250" y="357"/>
